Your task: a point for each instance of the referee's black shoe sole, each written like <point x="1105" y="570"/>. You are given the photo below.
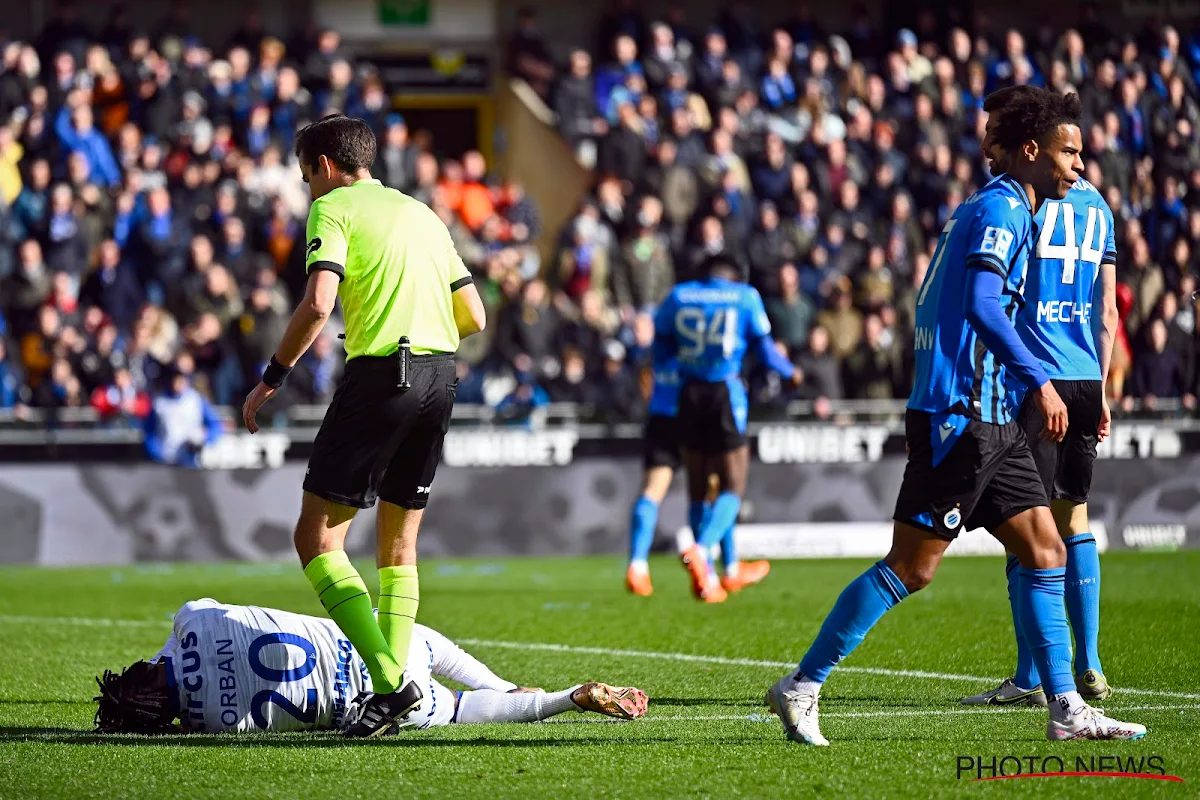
<point x="381" y="711"/>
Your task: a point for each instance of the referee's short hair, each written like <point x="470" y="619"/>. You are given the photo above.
<point x="346" y="141"/>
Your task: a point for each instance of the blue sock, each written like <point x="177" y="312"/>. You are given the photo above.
<point x="724" y="515"/>
<point x="641" y="532"/>
<point x="1083" y="599"/>
<point x="729" y="557"/>
<point x="858" y="608"/>
<point x="1026" y="675"/>
<point x="1044" y="622"/>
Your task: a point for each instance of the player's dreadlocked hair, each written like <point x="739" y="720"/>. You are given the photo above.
<point x="132" y="702"/>
<point x="1033" y="115"/>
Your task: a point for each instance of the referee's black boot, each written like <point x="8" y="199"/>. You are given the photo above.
<point x="378" y="712"/>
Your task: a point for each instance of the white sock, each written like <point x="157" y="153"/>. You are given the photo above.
<point x="799" y="682"/>
<point x="490" y="706"/>
<point x="1064" y="705"/>
<point x="731" y="570"/>
<point x="451" y="661"/>
<point x="640" y="566"/>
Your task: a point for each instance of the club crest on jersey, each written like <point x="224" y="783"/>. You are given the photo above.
<point x="314" y="245"/>
<point x="997" y="241"/>
<point x="952" y="519"/>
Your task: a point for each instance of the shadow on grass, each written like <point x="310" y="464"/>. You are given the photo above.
<point x="306" y="740"/>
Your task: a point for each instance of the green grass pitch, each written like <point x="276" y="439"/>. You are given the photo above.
<point x="894" y="735"/>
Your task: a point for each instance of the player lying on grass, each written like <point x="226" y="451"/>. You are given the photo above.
<point x="229" y="668"/>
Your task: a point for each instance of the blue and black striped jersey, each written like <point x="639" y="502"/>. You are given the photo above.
<point x="955" y="371"/>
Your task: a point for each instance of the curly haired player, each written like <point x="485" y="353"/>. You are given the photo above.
<point x="228" y="668"/>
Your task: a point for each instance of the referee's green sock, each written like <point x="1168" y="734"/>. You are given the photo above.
<point x="399" y="594"/>
<point x="345" y="598"/>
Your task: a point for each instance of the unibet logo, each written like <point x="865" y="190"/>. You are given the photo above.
<point x="313" y="246"/>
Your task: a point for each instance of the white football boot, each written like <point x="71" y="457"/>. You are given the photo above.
<point x="798" y="710"/>
<point x="1086" y="722"/>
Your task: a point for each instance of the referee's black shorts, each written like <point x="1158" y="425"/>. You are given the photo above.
<point x="1066" y="467"/>
<point x="378" y="442"/>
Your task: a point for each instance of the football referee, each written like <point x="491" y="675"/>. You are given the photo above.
<point x="407" y="300"/>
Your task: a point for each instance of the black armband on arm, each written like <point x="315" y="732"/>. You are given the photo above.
<point x="461" y="282"/>
<point x="275" y="374"/>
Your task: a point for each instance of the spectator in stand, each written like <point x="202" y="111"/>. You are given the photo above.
<point x="528" y="56"/>
<point x="181" y="422"/>
<point x="121" y="398"/>
<point x="1157" y="369"/>
<point x="645" y="272"/>
<point x="26" y="290"/>
<point x="528" y="330"/>
<point x="1145" y="279"/>
<point x="575" y="105"/>
<point x="790" y="312"/>
<point x="820" y="376"/>
<point x="873" y="370"/>
<point x="396" y="161"/>
<point x="76" y="132"/>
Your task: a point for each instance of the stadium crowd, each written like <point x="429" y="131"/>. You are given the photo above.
<point x="152" y="217"/>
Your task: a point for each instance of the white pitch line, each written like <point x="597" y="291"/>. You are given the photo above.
<point x="609" y="652"/>
<point x="763" y="717"/>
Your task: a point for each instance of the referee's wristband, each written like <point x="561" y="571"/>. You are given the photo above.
<point x="275" y="374"/>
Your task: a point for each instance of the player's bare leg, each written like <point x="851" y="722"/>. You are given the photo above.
<point x="655" y="485"/>
<point x="705" y="584"/>
<point x="1033" y="538"/>
<point x="320" y="538"/>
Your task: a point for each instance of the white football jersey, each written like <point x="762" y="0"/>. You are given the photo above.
<point x="245" y="668"/>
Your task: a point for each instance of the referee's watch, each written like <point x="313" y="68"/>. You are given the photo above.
<point x="275" y="374"/>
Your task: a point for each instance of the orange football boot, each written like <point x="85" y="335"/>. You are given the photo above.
<point x="748" y="574"/>
<point x="638" y="582"/>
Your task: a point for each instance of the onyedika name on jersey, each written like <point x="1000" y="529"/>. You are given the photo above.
<point x="192" y="680"/>
<point x="341" y="681"/>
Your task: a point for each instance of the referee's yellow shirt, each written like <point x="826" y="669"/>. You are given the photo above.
<point x="397" y="264"/>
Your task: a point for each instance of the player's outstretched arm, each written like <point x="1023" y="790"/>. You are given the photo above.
<point x="451" y="661"/>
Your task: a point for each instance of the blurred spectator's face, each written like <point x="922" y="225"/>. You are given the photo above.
<point x="681" y="122"/>
<point x="1014" y="43"/>
<point x="159" y="202"/>
<point x="179" y="384"/>
<point x="731" y="72"/>
<point x="288" y="83"/>
<point x="1106" y="73"/>
<point x="82" y="118"/>
<point x="837" y="152"/>
<point x="1182" y="252"/>
<point x="28" y="63"/>
<point x="667" y="152"/>
<point x="31" y="255"/>
<point x="1073" y="43"/>
<point x="39" y="174"/>
<point x="1158" y="335"/>
<point x="581" y="63"/>
<point x="643" y="330"/>
<point x="849" y="195"/>
<point x="78" y="169"/>
<point x="775" y="151"/>
<point x="239" y="62"/>
<point x="711" y="231"/>
<point x="626" y="50"/>
<point x="329" y="41"/>
<point x="64" y="65"/>
<point x="110" y="253"/>
<point x="217" y="281"/>
<point x="427" y="169"/>
<point x="48" y="322"/>
<point x="789" y="280"/>
<point x="770" y="217"/>
<point x="714" y="43"/>
<point x="535" y="293"/>
<point x="574" y="367"/>
<point x="60" y="199"/>
<point x="1170" y="306"/>
<point x="260" y="299"/>
<point x="809" y="204"/>
<point x="873" y="330"/>
<point x="340" y="74"/>
<point x="474" y="167"/>
<point x="235" y="231"/>
<point x="818" y="340"/>
<point x="1141" y="253"/>
<point x="664" y="38"/>
<point x="781" y="43"/>
<point x="650" y="212"/>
